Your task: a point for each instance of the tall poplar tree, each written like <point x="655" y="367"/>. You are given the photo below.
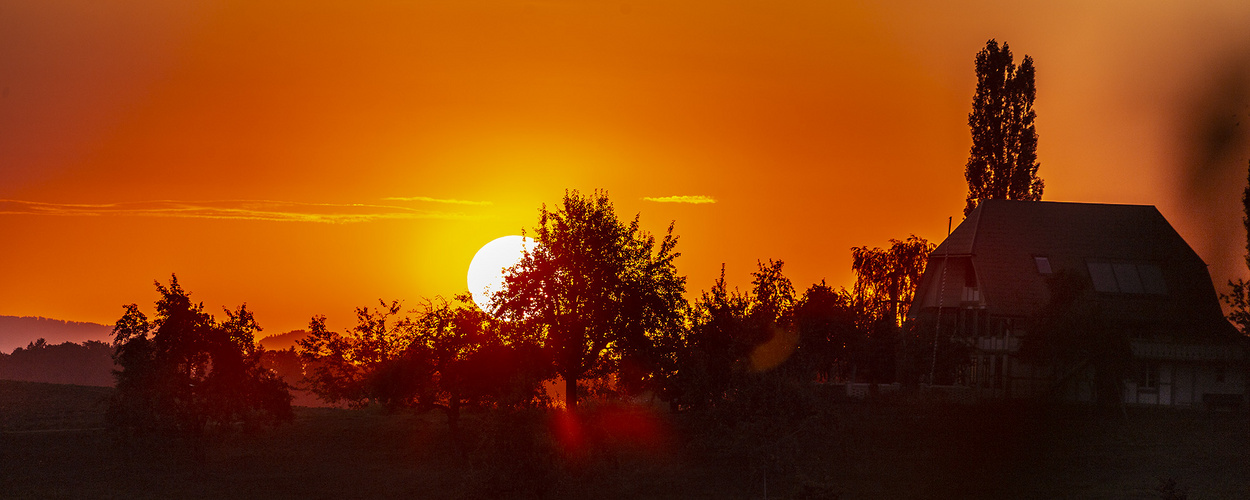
<point x="1003" y="161"/>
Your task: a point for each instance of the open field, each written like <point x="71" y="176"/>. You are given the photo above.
<point x="27" y="406"/>
<point x="844" y="450"/>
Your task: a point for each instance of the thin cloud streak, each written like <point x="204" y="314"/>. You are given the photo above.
<point x="695" y="200"/>
<point x="260" y="210"/>
<point x="436" y="200"/>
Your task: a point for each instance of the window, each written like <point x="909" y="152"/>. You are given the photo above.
<point x="1127" y="277"/>
<point x="1148" y="377"/>
<point x="1043" y="264"/>
<point x="1103" y="277"/>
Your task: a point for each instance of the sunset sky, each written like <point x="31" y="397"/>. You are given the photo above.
<point x="309" y="157"/>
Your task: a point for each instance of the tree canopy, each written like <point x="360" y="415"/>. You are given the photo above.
<point x="1003" y="160"/>
<point x="184" y="371"/>
<point x="828" y="337"/>
<point x="603" y="295"/>
<point x="735" y="338"/>
<point x="89" y="363"/>
<point x="886" y="279"/>
<point x="442" y="355"/>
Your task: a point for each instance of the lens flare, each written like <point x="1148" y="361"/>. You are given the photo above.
<point x="775" y="351"/>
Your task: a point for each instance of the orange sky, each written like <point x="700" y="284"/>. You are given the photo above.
<point x="130" y="131"/>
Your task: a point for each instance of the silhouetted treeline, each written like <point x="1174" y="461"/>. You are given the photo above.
<point x="282" y="341"/>
<point x="89" y="363"/>
<point x="17" y="331"/>
<point x="286" y="364"/>
<point x="771" y="334"/>
<point x="598" y="301"/>
<point x="442" y="356"/>
<point x="599" y="304"/>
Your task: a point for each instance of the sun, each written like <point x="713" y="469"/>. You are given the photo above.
<point x="487" y="268"/>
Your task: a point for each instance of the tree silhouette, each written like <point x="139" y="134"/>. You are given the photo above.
<point x="441" y="356"/>
<point x="332" y="369"/>
<point x="1238" y="298"/>
<point x="829" y="340"/>
<point x="184" y="371"/>
<point x="475" y="360"/>
<point x="737" y="338"/>
<point x="886" y="280"/>
<point x="1003" y="161"/>
<point x="89" y="363"/>
<point x="718" y="341"/>
<point x="773" y="337"/>
<point x="773" y="293"/>
<point x="601" y="293"/>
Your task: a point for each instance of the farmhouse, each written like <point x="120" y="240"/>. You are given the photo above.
<point x="1102" y="292"/>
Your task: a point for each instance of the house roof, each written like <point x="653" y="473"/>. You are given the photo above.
<point x="1001" y="240"/>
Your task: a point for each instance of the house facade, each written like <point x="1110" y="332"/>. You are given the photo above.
<point x="1070" y="299"/>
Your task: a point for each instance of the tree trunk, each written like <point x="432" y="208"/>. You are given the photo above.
<point x="453" y="425"/>
<point x="570" y="392"/>
<point x="453" y="415"/>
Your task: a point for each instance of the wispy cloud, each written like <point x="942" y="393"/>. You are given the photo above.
<point x="696" y="200"/>
<point x="261" y="210"/>
<point x="436" y="200"/>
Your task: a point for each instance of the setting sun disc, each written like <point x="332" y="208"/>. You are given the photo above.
<point x="486" y="271"/>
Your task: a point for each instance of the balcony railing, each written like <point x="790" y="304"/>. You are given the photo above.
<point x="998" y="344"/>
<point x="1190" y="352"/>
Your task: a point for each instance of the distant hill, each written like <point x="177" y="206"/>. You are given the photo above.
<point x="20" y="331"/>
<point x="282" y="341"/>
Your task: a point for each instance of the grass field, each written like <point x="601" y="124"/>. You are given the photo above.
<point x="844" y="450"/>
<point x="27" y="406"/>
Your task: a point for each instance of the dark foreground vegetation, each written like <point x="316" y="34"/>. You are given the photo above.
<point x="837" y="449"/>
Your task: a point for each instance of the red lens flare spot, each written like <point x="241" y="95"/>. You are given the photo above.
<point x="568" y="431"/>
<point x="610" y="429"/>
